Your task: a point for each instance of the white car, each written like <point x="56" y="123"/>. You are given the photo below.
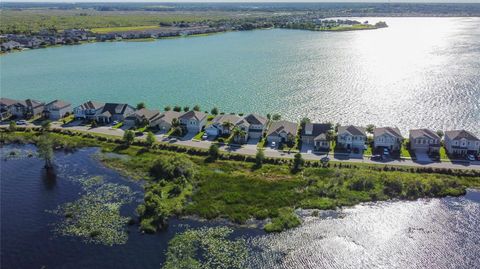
<point x="273" y="144"/>
<point x="204" y="137"/>
<point x="21" y="122"/>
<point x="470" y="157"/>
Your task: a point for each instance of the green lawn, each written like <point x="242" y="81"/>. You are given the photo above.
<point x="405" y="151"/>
<point x="443" y="154"/>
<point x="118" y="125"/>
<point x="199" y="135"/>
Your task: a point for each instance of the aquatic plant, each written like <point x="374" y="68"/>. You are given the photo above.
<point x="206" y="248"/>
<point x="95" y="216"/>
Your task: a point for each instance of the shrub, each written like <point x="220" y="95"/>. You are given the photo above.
<point x="169" y="168"/>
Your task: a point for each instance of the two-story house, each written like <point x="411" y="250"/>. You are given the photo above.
<point x="222" y="125"/>
<point x="282" y="132"/>
<point x="461" y="142"/>
<point x="424" y="140"/>
<point x="194" y="121"/>
<point x="315" y="134"/>
<point x="114" y="112"/>
<point x="142" y="117"/>
<point x="56" y="109"/>
<point x="351" y="137"/>
<point x="387" y="137"/>
<point x="253" y="125"/>
<point x="7" y="108"/>
<point x="163" y="121"/>
<point x="88" y="110"/>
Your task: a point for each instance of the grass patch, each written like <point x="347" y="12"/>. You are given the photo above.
<point x="118" y="125"/>
<point x="199" y="135"/>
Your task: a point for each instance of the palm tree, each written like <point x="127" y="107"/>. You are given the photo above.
<point x="239" y="135"/>
<point x="226" y="126"/>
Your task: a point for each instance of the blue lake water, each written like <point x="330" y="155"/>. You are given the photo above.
<point x="419" y="72"/>
<point x="427" y="233"/>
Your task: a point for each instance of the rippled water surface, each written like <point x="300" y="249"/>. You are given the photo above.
<point x="428" y="233"/>
<point x="419" y="72"/>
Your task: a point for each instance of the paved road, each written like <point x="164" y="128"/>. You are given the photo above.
<point x="269" y="152"/>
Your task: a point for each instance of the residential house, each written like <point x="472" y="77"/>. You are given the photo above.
<point x="114" y="112"/>
<point x="88" y="110"/>
<point x="57" y="109"/>
<point x="222" y="125"/>
<point x="7" y="108"/>
<point x="253" y="126"/>
<point x="142" y="116"/>
<point x="33" y="108"/>
<point x="163" y="121"/>
<point x="282" y="132"/>
<point x="351" y="137"/>
<point x="424" y="140"/>
<point x="315" y="134"/>
<point x="387" y="137"/>
<point x="461" y="142"/>
<point x="194" y="121"/>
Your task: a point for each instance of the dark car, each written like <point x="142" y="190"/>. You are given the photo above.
<point x="376" y="157"/>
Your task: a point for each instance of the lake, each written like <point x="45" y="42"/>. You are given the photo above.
<point x="419" y="72"/>
<point x="440" y="233"/>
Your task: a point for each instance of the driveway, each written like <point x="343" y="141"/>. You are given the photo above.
<point x="422" y="157"/>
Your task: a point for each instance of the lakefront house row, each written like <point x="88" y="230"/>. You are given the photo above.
<point x="252" y="127"/>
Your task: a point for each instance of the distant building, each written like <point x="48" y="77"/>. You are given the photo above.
<point x="163" y="121"/>
<point x="114" y="112"/>
<point x="194" y="121"/>
<point x="222" y="125"/>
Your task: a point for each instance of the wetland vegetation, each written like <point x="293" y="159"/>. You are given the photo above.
<point x="182" y="181"/>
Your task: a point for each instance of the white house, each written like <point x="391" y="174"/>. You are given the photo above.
<point x="57" y="109"/>
<point x="253" y="125"/>
<point x="88" y="110"/>
<point x="424" y="140"/>
<point x="194" y="121"/>
<point x="351" y="137"/>
<point x="222" y="125"/>
<point x="8" y="108"/>
<point x="461" y="142"/>
<point x="387" y="137"/>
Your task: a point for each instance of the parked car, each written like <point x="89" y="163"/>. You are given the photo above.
<point x="386" y="152"/>
<point x="115" y="122"/>
<point x="273" y="144"/>
<point x="21" y="122"/>
<point x="376" y="157"/>
<point x="470" y="157"/>
<point x="325" y="160"/>
<point x="204" y="137"/>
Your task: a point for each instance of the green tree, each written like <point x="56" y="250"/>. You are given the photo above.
<point x="45" y="149"/>
<point x="46" y="124"/>
<point x="298" y="163"/>
<point x="94" y="124"/>
<point x="269" y="117"/>
<point x="150" y="139"/>
<point x="213" y="152"/>
<point x="170" y="168"/>
<point x="12" y="126"/>
<point x="370" y="128"/>
<point x="186" y="109"/>
<point x="196" y="108"/>
<point x="276" y="117"/>
<point x="304" y="122"/>
<point x="128" y="137"/>
<point x="259" y="158"/>
<point x="214" y="111"/>
<point x="167" y="108"/>
<point x="177" y="108"/>
<point x="175" y="122"/>
<point x="440" y="133"/>
<point x="330" y="135"/>
<point x="141" y="105"/>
